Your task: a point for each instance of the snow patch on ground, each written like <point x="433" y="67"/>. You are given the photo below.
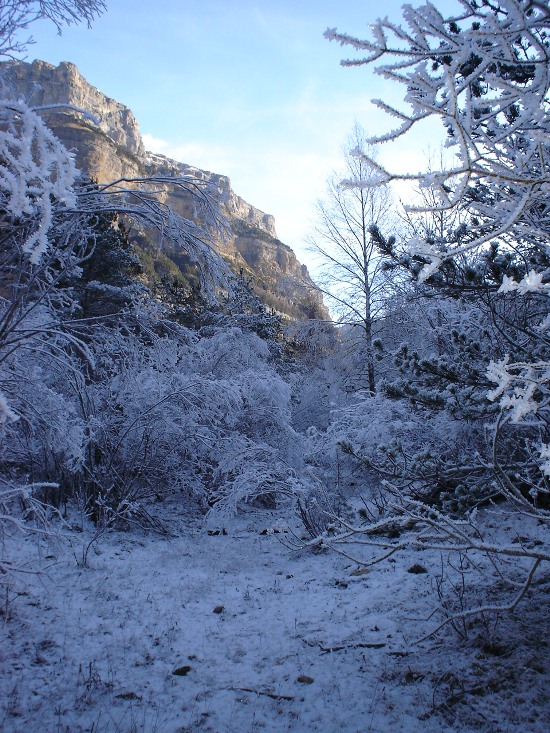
<point x="264" y="638"/>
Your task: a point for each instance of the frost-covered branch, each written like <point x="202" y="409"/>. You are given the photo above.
<point x="485" y="75"/>
<point x="422" y="528"/>
<point x="35" y="172"/>
<point x="141" y="201"/>
<point x="16" y="15"/>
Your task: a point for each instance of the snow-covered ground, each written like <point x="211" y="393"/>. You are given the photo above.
<point x="264" y="637"/>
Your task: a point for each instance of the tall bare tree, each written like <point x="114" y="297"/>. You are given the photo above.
<point x="351" y="267"/>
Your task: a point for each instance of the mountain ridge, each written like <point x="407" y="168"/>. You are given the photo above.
<point x="107" y="146"/>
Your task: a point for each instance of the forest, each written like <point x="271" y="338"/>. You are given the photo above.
<point x="214" y="517"/>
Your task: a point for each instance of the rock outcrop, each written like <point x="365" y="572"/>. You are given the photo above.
<point x="107" y="146"/>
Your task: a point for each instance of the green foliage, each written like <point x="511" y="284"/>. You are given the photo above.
<point x="471" y="322"/>
<point x="106" y="281"/>
<point x="112" y="260"/>
<point x="243" y="306"/>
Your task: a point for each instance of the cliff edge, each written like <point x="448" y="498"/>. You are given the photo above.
<point x="110" y="147"/>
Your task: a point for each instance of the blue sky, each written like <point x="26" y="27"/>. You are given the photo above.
<point x="247" y="88"/>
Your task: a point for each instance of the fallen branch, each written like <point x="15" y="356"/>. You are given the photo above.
<point x="339" y="648"/>
<point x="485" y="609"/>
<point x="424" y="527"/>
<point x="272" y="695"/>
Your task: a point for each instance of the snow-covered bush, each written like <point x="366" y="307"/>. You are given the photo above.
<point x="85" y="404"/>
<point x="255" y="452"/>
<point x="484" y="74"/>
<point x="203" y="416"/>
<point x="126" y="406"/>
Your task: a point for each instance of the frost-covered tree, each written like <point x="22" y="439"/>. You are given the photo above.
<point x="58" y="236"/>
<point x="350" y="266"/>
<point x="485" y="74"/>
<point x="36" y="176"/>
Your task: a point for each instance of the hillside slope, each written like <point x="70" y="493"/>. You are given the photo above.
<point x="111" y="148"/>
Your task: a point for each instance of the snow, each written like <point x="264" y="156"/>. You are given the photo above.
<point x="36" y="169"/>
<point x="225" y="624"/>
<point x="275" y="638"/>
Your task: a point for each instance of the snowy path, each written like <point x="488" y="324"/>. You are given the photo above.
<point x="95" y="649"/>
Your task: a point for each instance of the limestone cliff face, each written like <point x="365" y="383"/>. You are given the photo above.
<point x="233" y="206"/>
<point x="41" y="84"/>
<point x="109" y="146"/>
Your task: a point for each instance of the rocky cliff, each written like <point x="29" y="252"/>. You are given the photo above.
<point x="109" y="147"/>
